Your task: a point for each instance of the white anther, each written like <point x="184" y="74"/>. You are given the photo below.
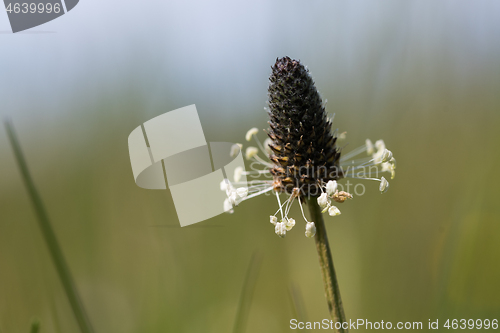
<point x="384" y="185"/>
<point x="310" y="229"/>
<point x="242" y="192"/>
<point x="280" y="229"/>
<point x="333" y="211"/>
<point x="380" y="144"/>
<point x="233" y="198"/>
<point x="386" y="155"/>
<point x="238" y="172"/>
<point x="235" y="149"/>
<point x="251" y="152"/>
<point x="228" y="208"/>
<point x="289" y="223"/>
<point x="267" y="142"/>
<point x="323" y="200"/>
<point x="224" y="185"/>
<point x="331" y="187"/>
<point x="370" y="149"/>
<point x="251" y="132"/>
<point x="393" y="162"/>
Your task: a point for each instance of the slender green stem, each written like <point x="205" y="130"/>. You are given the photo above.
<point x="246" y="293"/>
<point x="332" y="290"/>
<point x="49" y="236"/>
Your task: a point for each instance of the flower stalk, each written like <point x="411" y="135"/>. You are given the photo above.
<point x="304" y="164"/>
<point x="332" y="291"/>
<point x="306" y="159"/>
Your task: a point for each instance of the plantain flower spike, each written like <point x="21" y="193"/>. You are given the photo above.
<point x="300" y="158"/>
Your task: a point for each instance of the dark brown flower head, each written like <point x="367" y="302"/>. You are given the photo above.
<point x="304" y="152"/>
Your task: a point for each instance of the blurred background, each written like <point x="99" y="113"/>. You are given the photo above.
<point x="422" y="75"/>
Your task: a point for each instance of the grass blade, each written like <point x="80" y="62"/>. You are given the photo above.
<point x="246" y="293"/>
<point x="49" y="236"/>
<point x="298" y="308"/>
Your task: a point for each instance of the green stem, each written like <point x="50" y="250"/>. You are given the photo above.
<point x="247" y="292"/>
<point x="49" y="235"/>
<point x="332" y="290"/>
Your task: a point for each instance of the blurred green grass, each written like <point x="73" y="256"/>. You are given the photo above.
<point x="427" y="249"/>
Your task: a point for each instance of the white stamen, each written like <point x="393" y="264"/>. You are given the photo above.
<point x="310" y="229"/>
<point x="255" y="172"/>
<point x="238" y="172"/>
<point x="386" y="155"/>
<point x="251" y="132"/>
<point x="380" y="144"/>
<point x="381" y="159"/>
<point x="267" y="142"/>
<point x="279" y="203"/>
<point x="259" y="193"/>
<point x="365" y="178"/>
<point x="392" y="168"/>
<point x="323" y="200"/>
<point x="331" y="187"/>
<point x="352" y="153"/>
<point x="251" y="152"/>
<point x="242" y="192"/>
<point x="289" y="205"/>
<point x="355" y="162"/>
<point x="235" y="149"/>
<point x="260" y="160"/>
<point x="224" y="185"/>
<point x="289" y="224"/>
<point x="228" y="208"/>
<point x="333" y="211"/>
<point x="386" y="167"/>
<point x="233" y="198"/>
<point x="384" y="185"/>
<point x="301" y="209"/>
<point x="370" y="149"/>
<point x="280" y="229"/>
